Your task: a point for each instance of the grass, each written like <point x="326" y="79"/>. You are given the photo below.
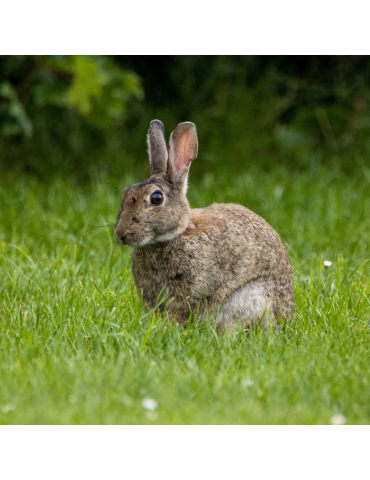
<point x="78" y="347"/>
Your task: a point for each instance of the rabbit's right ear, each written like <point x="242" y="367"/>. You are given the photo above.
<point x="158" y="155"/>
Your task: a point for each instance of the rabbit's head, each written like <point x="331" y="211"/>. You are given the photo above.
<point x="157" y="209"/>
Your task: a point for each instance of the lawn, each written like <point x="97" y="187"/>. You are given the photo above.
<point x="78" y="347"/>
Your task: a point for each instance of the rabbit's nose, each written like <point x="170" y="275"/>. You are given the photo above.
<point x="121" y="235"/>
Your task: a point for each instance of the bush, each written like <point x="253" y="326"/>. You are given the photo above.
<point x="70" y="115"/>
<point x="55" y="111"/>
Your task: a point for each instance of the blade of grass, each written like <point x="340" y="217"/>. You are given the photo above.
<point x="24" y="253"/>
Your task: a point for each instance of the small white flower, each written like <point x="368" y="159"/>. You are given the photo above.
<point x="149" y="404"/>
<point x="327" y="264"/>
<point x="338" y="419"/>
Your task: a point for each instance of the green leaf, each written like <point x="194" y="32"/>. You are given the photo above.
<point x="87" y="84"/>
<point x="15" y="110"/>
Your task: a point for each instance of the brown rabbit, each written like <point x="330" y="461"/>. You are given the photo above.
<point x="223" y="260"/>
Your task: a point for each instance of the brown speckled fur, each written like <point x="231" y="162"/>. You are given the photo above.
<point x="223" y="260"/>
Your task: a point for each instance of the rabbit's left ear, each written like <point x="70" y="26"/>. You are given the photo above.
<point x="157" y="149"/>
<point x="183" y="149"/>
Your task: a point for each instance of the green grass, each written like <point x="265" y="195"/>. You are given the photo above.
<point x="78" y="347"/>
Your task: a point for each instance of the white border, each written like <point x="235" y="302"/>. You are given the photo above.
<point x="187" y="452"/>
<point x="192" y="27"/>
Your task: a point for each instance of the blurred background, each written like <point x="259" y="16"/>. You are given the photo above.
<point x="77" y="116"/>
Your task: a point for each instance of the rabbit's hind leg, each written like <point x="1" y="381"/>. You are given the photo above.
<point x="248" y="304"/>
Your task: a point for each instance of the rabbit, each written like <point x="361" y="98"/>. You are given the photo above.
<point x="222" y="261"/>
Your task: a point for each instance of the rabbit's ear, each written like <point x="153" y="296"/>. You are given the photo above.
<point x="157" y="149"/>
<point x="183" y="149"/>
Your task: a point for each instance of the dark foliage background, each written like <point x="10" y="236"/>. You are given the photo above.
<point x="71" y="116"/>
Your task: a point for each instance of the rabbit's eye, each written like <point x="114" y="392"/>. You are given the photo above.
<point x="156" y="198"/>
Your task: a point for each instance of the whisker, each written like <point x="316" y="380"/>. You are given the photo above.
<point x="108" y="224"/>
<point x="103" y="235"/>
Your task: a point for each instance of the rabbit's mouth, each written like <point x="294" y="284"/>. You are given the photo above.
<point x="123" y="238"/>
<point x="132" y="240"/>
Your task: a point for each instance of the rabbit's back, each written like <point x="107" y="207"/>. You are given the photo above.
<point x="229" y="257"/>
